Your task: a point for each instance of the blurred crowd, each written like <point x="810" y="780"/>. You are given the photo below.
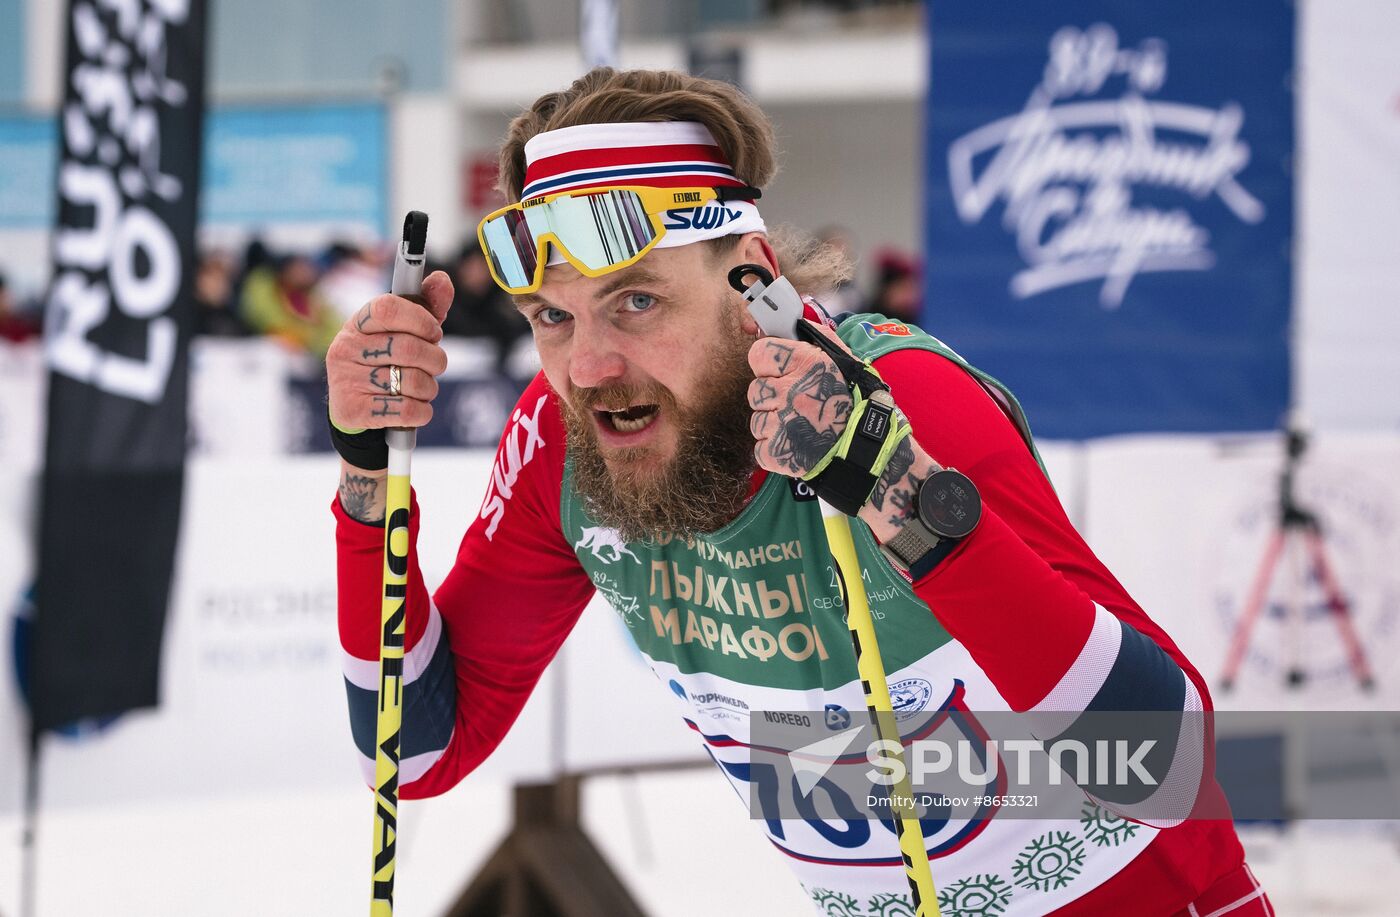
<point x="303" y="299"/>
<point x="20" y="320"/>
<point x="896" y="281"/>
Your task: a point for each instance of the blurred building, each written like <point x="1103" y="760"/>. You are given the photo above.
<point x="843" y="81"/>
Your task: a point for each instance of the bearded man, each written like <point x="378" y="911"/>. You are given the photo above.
<point x="665" y="434"/>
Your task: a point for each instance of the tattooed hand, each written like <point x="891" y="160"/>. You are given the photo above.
<point x="389" y="331"/>
<point x="800" y="408"/>
<point x="800" y="405"/>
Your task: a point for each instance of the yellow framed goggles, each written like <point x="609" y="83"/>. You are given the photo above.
<point x="597" y="230"/>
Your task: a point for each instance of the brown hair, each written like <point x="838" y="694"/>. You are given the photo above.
<point x="740" y="128"/>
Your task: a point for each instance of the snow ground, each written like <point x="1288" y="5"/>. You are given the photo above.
<point x="679" y="840"/>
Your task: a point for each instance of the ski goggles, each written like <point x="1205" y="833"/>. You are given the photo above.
<point x="597" y="230"/>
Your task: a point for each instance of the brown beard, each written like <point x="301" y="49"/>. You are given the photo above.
<point x="705" y="484"/>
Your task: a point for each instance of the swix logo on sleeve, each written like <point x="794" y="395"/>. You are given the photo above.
<point x="510" y="458"/>
<point x="711" y="216"/>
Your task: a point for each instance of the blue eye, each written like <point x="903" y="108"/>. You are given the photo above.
<point x="551" y="316"/>
<point x="639" y="302"/>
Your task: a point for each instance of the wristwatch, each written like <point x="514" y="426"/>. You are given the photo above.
<point x="947" y="510"/>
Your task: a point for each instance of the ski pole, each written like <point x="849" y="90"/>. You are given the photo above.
<point x="408" y="283"/>
<point x="877" y="702"/>
<point x="777" y="308"/>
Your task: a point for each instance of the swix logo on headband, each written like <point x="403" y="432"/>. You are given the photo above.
<point x="707" y="217"/>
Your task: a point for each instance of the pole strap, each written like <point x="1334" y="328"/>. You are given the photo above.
<point x="846" y="476"/>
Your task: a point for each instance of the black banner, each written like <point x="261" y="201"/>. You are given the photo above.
<point x="117" y="329"/>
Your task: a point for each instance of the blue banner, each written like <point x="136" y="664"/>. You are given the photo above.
<point x="1110" y="208"/>
<point x="262" y="165"/>
<point x="28" y="158"/>
<point x="315" y="163"/>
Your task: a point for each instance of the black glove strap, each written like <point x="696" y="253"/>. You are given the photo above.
<point x="366" y="450"/>
<point x="845" y="485"/>
<point x="847" y="482"/>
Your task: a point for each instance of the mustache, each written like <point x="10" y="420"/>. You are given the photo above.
<point x="618" y="396"/>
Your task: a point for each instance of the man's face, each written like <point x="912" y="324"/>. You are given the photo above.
<point x="651" y="365"/>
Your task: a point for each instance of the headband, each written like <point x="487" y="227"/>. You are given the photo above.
<point x="660" y="154"/>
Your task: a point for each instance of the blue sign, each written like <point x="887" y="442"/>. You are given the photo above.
<point x="1110" y="209"/>
<point x="28" y="158"/>
<point x="303" y="164"/>
<point x="321" y="163"/>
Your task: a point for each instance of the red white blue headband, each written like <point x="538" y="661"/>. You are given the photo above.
<point x="661" y="154"/>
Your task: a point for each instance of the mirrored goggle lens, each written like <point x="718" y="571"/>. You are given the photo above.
<point x="599" y="230"/>
<point x="512" y="248"/>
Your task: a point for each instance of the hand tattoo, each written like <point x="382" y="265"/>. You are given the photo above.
<point x="903" y="493"/>
<point x="388" y="350"/>
<point x="900" y="462"/>
<point x="388" y="406"/>
<point x="363" y="318"/>
<point x="357" y="494"/>
<point x="781" y="354"/>
<point x="374" y="379"/>
<point x="766" y="393"/>
<point x="798" y="445"/>
<point x="824" y="385"/>
<point x="805" y="436"/>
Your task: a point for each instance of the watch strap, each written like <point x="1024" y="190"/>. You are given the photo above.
<point x="911" y="544"/>
<point x="916" y="550"/>
<point x="925" y="565"/>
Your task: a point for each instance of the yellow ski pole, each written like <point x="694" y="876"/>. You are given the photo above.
<point x="877" y="701"/>
<point x="407" y="282"/>
<point x="777" y="308"/>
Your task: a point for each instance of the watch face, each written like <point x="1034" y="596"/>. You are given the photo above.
<point x="949" y="504"/>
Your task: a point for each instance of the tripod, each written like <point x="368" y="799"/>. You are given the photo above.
<point x="1298" y="529"/>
